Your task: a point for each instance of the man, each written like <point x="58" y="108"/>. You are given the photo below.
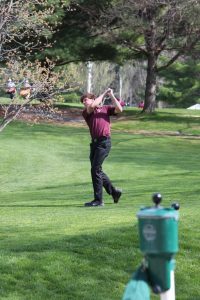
<point x="25" y="91"/>
<point x="97" y="118"/>
<point x="11" y="88"/>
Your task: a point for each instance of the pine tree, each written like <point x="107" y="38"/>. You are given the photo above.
<point x="181" y="83"/>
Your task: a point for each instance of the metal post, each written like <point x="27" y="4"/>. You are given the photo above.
<point x="89" y="79"/>
<point x="170" y="294"/>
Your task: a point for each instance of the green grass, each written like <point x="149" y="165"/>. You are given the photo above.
<point x="173" y="121"/>
<point x="51" y="247"/>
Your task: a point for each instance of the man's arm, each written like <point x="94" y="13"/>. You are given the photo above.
<point x="96" y="102"/>
<point x="116" y="103"/>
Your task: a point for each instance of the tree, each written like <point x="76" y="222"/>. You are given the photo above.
<point x="25" y="28"/>
<point x="75" y="39"/>
<point x="181" y="83"/>
<point x="41" y="85"/>
<point x="149" y="29"/>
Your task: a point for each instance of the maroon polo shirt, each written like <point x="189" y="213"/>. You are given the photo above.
<point x="99" y="120"/>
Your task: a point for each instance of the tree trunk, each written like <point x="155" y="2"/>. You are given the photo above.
<point x="150" y="91"/>
<point x="11" y="113"/>
<point x="4" y="123"/>
<point x="150" y="41"/>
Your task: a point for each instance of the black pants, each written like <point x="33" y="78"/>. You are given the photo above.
<point x="99" y="150"/>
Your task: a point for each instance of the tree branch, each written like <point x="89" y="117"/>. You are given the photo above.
<point x="171" y="61"/>
<point x="183" y="50"/>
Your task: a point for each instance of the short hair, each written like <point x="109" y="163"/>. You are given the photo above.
<point x="87" y="95"/>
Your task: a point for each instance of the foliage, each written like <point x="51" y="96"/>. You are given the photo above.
<point x="24" y="27"/>
<point x="75" y="39"/>
<point x="72" y="97"/>
<point x="181" y="84"/>
<point x="148" y="29"/>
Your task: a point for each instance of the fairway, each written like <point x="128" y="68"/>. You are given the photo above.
<point x="51" y="247"/>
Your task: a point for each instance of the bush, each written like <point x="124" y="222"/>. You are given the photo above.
<point x="72" y="97"/>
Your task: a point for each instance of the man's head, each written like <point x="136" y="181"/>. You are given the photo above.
<point x="87" y="99"/>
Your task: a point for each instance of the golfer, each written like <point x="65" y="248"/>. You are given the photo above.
<point x="97" y="118"/>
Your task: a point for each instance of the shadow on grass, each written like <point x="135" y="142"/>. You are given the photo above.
<point x="67" y="195"/>
<point x="41" y="205"/>
<point x="69" y="267"/>
<point x="76" y="267"/>
<point x="84" y="266"/>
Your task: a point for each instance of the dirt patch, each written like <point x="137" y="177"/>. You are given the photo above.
<point x="43" y="114"/>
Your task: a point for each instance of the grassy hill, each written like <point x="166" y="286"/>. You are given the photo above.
<point x="54" y="248"/>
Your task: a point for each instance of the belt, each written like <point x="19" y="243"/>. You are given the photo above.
<point x="100" y="139"/>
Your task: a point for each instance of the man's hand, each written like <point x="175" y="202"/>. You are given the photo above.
<point x="109" y="92"/>
<point x="118" y="107"/>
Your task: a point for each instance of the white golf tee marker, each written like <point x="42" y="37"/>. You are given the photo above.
<point x="170" y="294"/>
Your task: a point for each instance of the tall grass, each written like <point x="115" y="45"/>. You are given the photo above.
<point x="51" y="247"/>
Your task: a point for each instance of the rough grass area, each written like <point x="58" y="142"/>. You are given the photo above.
<point x="51" y="247"/>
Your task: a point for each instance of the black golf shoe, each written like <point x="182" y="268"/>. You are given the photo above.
<point x="116" y="195"/>
<point x="94" y="203"/>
